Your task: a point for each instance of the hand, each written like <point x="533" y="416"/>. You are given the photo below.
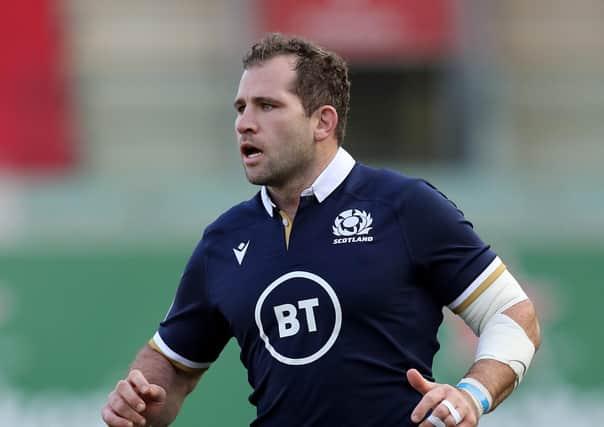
<point x="131" y="398"/>
<point x="434" y="394"/>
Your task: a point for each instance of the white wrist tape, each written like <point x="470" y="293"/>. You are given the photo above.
<point x="479" y="393"/>
<point x="505" y="341"/>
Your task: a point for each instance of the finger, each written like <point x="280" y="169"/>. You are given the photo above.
<point x="450" y="421"/>
<point x="138" y="380"/>
<point x="155" y="393"/>
<point x="418" y="382"/>
<point x="121" y="408"/>
<point x="455" y="414"/>
<point x="152" y="392"/>
<point x="464" y="412"/>
<point x="442" y="414"/>
<point x="433" y="421"/>
<point x="130" y="395"/>
<point x="457" y="403"/>
<point x="470" y="420"/>
<point x="113" y="420"/>
<point x="427" y="403"/>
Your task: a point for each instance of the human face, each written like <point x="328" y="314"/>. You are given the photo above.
<point x="275" y="135"/>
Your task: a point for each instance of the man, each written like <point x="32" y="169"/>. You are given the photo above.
<point x="332" y="278"/>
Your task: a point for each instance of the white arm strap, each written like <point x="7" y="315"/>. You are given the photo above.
<point x="505" y="340"/>
<point x="500" y="337"/>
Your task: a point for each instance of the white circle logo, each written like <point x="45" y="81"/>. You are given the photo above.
<point x="337" y="318"/>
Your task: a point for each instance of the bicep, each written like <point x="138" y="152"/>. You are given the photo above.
<point x="488" y="295"/>
<point x="445" y="249"/>
<point x="525" y="315"/>
<point x="195" y="331"/>
<point x="502" y="295"/>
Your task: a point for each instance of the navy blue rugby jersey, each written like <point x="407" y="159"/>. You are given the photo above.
<point x="332" y="310"/>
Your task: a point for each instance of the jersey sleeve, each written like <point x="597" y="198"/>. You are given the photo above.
<point x="446" y="251"/>
<point x="194" y="331"/>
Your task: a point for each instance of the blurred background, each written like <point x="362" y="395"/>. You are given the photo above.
<point x="117" y="148"/>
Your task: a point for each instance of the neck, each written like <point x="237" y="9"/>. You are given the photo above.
<point x="287" y="196"/>
<point x="287" y="201"/>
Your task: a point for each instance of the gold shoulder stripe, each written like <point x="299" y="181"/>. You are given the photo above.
<point x="177" y="365"/>
<point x="480" y="289"/>
<point x="154" y="346"/>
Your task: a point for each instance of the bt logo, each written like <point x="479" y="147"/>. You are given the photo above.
<point x="286" y="315"/>
<point x="300" y="332"/>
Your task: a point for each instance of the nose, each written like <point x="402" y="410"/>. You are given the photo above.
<point x="245" y="122"/>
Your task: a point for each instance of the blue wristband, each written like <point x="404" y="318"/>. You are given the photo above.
<point x="477" y="393"/>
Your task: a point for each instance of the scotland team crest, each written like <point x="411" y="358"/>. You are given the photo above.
<point x="352" y="226"/>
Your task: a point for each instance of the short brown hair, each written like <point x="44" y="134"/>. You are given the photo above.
<point x="321" y="75"/>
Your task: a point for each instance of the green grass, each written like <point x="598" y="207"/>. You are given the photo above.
<point x="79" y="317"/>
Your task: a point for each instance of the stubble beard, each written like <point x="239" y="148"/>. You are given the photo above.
<point x="289" y="165"/>
<point x="269" y="177"/>
<point x="278" y="176"/>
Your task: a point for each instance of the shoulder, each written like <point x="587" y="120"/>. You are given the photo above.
<point x="242" y="215"/>
<point x="390" y="187"/>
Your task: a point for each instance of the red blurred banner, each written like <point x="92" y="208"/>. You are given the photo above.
<point x="35" y="125"/>
<point x="367" y="30"/>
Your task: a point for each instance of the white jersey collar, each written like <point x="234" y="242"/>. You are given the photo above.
<point x="331" y="177"/>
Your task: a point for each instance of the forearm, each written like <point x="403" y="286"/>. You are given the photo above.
<point x="499" y="378"/>
<point x="500" y="313"/>
<point x="178" y="384"/>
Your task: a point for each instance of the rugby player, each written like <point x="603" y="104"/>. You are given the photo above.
<point x="332" y="278"/>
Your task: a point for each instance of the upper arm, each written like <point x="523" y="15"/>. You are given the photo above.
<point x="525" y="315"/>
<point x="478" y="304"/>
<point x="194" y="331"/>
<point x="505" y="320"/>
<point x="446" y="251"/>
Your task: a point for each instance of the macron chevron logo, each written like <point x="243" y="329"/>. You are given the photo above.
<point x="240" y="251"/>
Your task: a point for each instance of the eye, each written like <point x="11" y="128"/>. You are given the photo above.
<point x="240" y="108"/>
<point x="267" y="107"/>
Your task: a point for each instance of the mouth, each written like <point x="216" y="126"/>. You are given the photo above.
<point x="250" y="151"/>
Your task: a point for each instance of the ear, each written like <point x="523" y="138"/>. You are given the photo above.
<point x="326" y="121"/>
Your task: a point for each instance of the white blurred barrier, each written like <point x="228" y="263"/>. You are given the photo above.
<point x="554" y="408"/>
<point x="11" y="210"/>
<point x="50" y="410"/>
